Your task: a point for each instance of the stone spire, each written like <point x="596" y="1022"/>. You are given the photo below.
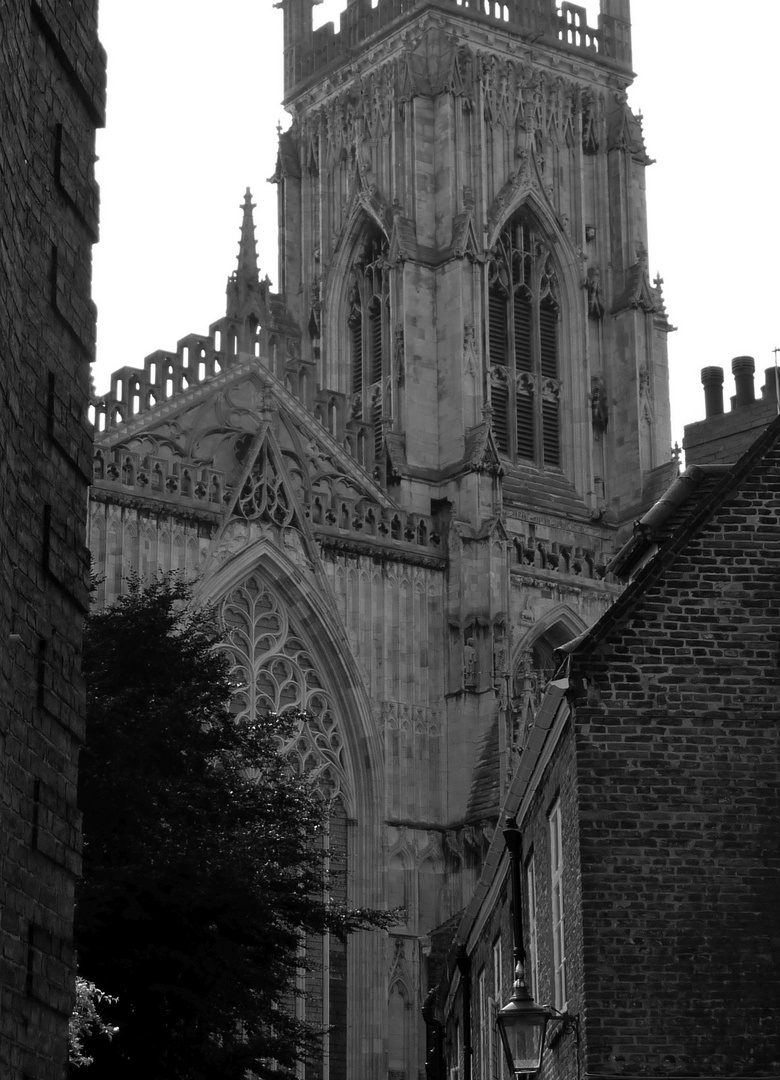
<point x="247" y="245"/>
<point x="246" y="294"/>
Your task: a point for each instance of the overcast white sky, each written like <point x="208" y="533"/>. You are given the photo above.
<point x="193" y="104"/>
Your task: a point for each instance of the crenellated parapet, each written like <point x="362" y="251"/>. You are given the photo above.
<point x="197" y="358"/>
<point x="256" y="324"/>
<point x="309" y="53"/>
<point x="165" y="375"/>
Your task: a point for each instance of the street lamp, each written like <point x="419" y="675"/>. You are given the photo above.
<point x="521" y="1023"/>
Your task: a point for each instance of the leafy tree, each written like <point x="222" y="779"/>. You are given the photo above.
<point x="202" y="857"/>
<point x="86" y="1021"/>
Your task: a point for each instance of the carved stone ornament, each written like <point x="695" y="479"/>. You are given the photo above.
<point x="593" y="285"/>
<point x="469" y="348"/>
<point x="398" y="353"/>
<point x="599" y="405"/>
<point x="264" y="496"/>
<point x="470" y="674"/>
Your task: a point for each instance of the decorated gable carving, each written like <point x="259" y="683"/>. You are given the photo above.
<point x="519" y="96"/>
<point x="264" y="495"/>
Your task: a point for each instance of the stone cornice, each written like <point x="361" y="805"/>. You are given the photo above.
<point x="379" y="552"/>
<point x="104" y="493"/>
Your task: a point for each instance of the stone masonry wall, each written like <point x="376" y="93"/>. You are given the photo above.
<point x="51" y="100"/>
<point x="677" y="761"/>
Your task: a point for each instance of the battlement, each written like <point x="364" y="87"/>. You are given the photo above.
<point x="165" y="375"/>
<point x="310" y="52"/>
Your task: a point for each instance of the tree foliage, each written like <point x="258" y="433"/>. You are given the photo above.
<point x="202" y="857"/>
<point x="86" y="1021"/>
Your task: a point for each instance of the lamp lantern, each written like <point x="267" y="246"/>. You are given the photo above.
<point x="522" y="1023"/>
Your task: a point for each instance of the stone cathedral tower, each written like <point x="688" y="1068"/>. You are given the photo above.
<point x="402" y="476"/>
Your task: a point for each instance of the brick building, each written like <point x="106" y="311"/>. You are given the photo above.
<point x="401" y="478"/>
<point x="654" y="758"/>
<point x="52" y="74"/>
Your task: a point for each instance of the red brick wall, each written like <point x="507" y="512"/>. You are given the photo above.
<point x="677" y="762"/>
<point x="51" y="99"/>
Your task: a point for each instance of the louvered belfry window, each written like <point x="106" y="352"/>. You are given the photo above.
<point x="368" y="320"/>
<point x="523" y="343"/>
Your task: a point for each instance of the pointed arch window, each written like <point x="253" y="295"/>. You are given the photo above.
<point x="523" y="345"/>
<point x="369" y="335"/>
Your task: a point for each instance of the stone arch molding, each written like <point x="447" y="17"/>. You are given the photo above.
<point x="568" y="260"/>
<point x="561" y="621"/>
<point x="362" y="216"/>
<point x="288" y="650"/>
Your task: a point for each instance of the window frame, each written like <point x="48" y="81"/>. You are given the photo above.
<point x="557" y="908"/>
<point x="533" y="936"/>
<point x="498" y="972"/>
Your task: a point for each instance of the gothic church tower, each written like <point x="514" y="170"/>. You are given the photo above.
<point x="464" y="240"/>
<point x="402" y="477"/>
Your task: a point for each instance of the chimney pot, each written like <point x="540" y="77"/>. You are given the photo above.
<point x="712" y="381"/>
<point x="743" y="368"/>
<point x="771" y="388"/>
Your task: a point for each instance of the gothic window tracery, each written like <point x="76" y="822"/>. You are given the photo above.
<point x="523" y="345"/>
<point x="276" y="672"/>
<point x="368" y="319"/>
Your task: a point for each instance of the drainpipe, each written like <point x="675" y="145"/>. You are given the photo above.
<point x="464" y="967"/>
<point x="434" y="1039"/>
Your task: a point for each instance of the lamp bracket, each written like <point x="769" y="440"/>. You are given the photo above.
<point x="559" y="1024"/>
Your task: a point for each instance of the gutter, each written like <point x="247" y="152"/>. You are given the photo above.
<point x="646" y="528"/>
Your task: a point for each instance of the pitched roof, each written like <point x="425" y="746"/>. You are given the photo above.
<point x="548" y="492"/>
<point x="714" y="493"/>
<point x="485" y="786"/>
